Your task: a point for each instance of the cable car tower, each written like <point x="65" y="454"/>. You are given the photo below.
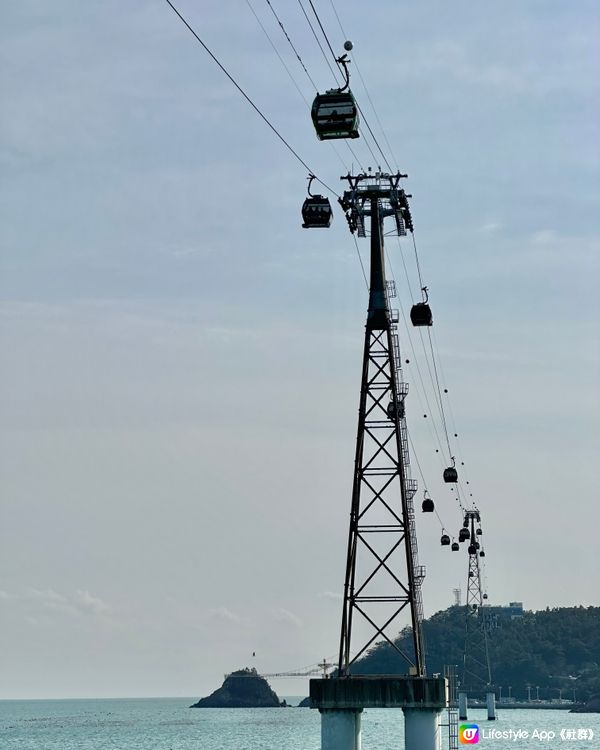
<point x="476" y="677"/>
<point x="383" y="575"/>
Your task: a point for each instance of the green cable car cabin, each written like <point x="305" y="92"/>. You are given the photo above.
<point x="335" y="115"/>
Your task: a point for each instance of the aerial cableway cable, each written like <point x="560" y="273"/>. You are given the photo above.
<point x="312" y="28"/>
<point x="434" y="375"/>
<point x="362" y="114"/>
<point x="287" y="36"/>
<point x="290" y="75"/>
<point x="331" y="70"/>
<point x="281" y="60"/>
<point x="304" y="68"/>
<point x="247" y="98"/>
<point x="394" y="160"/>
<point x="435" y="355"/>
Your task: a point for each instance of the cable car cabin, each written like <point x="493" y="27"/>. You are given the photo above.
<point x="482" y="554"/>
<point x="390" y="410"/>
<point x="445" y="540"/>
<point x="427" y="505"/>
<point x="450" y="475"/>
<point x="466" y="523"/>
<point x="316" y="212"/>
<point x="335" y="115"/>
<point x="420" y="314"/>
<point x="455" y="546"/>
<point x="485" y="596"/>
<point x="472" y="549"/>
<point x="479" y="532"/>
<point x="463" y="535"/>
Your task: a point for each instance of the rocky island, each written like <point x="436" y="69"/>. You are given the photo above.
<point x="244" y="688"/>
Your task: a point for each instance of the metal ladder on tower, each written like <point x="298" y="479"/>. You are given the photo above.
<point x="411" y="485"/>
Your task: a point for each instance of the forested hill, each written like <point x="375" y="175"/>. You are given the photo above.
<point x="552" y="649"/>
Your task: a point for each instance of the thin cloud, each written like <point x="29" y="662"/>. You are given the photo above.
<point x="75" y="605"/>
<point x="491" y="226"/>
<point x="283" y="615"/>
<point x="544" y="237"/>
<point x="222" y="614"/>
<point x="330" y="595"/>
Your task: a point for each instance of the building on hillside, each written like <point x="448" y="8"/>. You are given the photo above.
<point x="495" y="615"/>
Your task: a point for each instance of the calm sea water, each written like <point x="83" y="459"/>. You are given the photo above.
<point x="168" y="724"/>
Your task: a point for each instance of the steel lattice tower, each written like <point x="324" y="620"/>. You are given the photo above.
<point x="383" y="577"/>
<point x="476" y="673"/>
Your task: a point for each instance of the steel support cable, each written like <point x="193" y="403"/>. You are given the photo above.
<point x="281" y="60"/>
<point x="308" y="21"/>
<point x="433" y="358"/>
<point x="431" y="423"/>
<point x="413" y="453"/>
<point x="368" y="145"/>
<point x="305" y="101"/>
<point x="429" y="410"/>
<point x="248" y="99"/>
<point x="362" y="114"/>
<point x="361" y="261"/>
<point x="355" y="156"/>
<point x="385" y="159"/>
<point x="368" y="96"/>
<point x="451" y="411"/>
<point x="292" y="45"/>
<point x="314" y="10"/>
<point x="387" y="162"/>
<point x="272" y="43"/>
<point x="439" y="391"/>
<point x="367" y="92"/>
<point x="431" y="373"/>
<point x="287" y="36"/>
<point x="395" y="161"/>
<point x="417" y="259"/>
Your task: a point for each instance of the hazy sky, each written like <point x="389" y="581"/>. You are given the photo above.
<point x="181" y="361"/>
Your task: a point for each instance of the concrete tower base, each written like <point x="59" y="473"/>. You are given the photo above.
<point x="340" y="729"/>
<point x="421" y="729"/>
<point x="341" y="700"/>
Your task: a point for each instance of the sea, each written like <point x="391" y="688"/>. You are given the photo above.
<point x="169" y="724"/>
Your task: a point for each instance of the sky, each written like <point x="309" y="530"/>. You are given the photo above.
<point x="181" y="360"/>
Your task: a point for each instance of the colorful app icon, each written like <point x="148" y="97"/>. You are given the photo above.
<point x="468" y="734"/>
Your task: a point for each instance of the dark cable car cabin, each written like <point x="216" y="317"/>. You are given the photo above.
<point x="463" y="535"/>
<point x="420" y="314"/>
<point x="316" y="212"/>
<point x="335" y="113"/>
<point x="450" y="475"/>
<point x="455" y="546"/>
<point x="466" y="523"/>
<point x="482" y="554"/>
<point x="472" y="549"/>
<point x="427" y="506"/>
<point x="390" y="410"/>
<point x="479" y="532"/>
<point x="485" y="596"/>
<point x="445" y="540"/>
